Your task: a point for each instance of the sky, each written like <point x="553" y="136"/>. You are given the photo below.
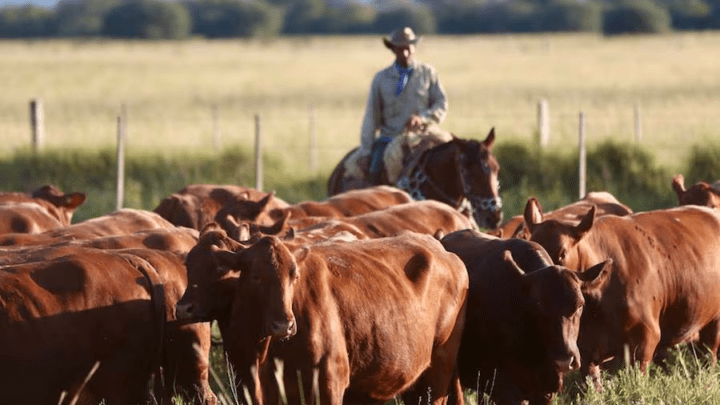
<point x="39" y="3"/>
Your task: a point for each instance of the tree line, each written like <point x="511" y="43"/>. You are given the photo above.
<point x="179" y="19"/>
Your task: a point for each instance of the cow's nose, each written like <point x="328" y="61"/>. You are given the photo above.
<point x="283" y="329"/>
<point x="183" y="311"/>
<point x="569" y="364"/>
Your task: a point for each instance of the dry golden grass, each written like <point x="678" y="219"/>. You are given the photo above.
<point x="170" y="87"/>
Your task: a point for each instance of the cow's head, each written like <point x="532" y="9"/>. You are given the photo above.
<point x="64" y="204"/>
<point x="555" y="305"/>
<point x="559" y="239"/>
<point x="211" y="280"/>
<point x="700" y="193"/>
<point x="265" y="290"/>
<point x="598" y="331"/>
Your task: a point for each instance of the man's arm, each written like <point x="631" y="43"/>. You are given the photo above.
<point x="371" y="120"/>
<point x="437" y="100"/>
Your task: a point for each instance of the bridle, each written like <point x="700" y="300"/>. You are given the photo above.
<point x="417" y="177"/>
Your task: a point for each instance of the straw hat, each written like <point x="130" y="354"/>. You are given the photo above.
<point x="401" y="37"/>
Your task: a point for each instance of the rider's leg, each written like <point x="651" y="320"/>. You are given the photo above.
<point x="376" y="159"/>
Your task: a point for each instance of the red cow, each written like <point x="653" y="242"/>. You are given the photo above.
<point x="121" y="222"/>
<point x="197" y="204"/>
<point x="700" y="193"/>
<point x="605" y="203"/>
<point x="662" y="289"/>
<point x="93" y="325"/>
<point x="57" y="204"/>
<point x="370" y="319"/>
<point x="523" y="317"/>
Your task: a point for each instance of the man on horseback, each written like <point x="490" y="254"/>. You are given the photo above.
<point x="405" y="99"/>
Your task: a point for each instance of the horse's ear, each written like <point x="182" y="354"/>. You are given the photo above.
<point x="533" y="213"/>
<point x="490" y="140"/>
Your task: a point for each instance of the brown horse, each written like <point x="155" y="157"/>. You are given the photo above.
<point x="458" y="173"/>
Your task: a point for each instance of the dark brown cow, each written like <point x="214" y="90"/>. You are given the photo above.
<point x="57" y="204"/>
<point x="700" y="193"/>
<point x="101" y="316"/>
<point x="197" y="204"/>
<point x="121" y="222"/>
<point x="663" y="288"/>
<point x="523" y="316"/>
<point x="373" y="318"/>
<point x="605" y="203"/>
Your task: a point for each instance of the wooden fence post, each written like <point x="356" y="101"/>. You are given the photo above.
<point x="258" y="154"/>
<point x="313" y="142"/>
<point x="37" y="124"/>
<point x="121" y="129"/>
<point x="543" y="123"/>
<point x="583" y="156"/>
<point x="638" y="123"/>
<point x="215" y="127"/>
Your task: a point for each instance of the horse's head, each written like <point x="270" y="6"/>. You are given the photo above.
<point x="466" y="170"/>
<point x="478" y="172"/>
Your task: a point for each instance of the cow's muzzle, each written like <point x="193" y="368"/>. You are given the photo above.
<point x="187" y="312"/>
<point x="283" y="329"/>
<point x="570" y="363"/>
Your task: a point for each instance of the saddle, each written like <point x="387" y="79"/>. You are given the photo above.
<point x="403" y="153"/>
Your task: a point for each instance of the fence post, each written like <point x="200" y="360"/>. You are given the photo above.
<point x="216" y="128"/>
<point x="313" y="142"/>
<point x="543" y="123"/>
<point x="121" y="129"/>
<point x="258" y="154"/>
<point x="638" y="123"/>
<point x="583" y="155"/>
<point x="37" y="124"/>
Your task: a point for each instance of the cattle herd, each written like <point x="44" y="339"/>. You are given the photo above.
<point x="360" y="298"/>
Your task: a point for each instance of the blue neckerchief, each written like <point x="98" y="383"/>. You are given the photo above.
<point x="404" y="75"/>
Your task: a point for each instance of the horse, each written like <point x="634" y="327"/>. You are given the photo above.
<point x="462" y="173"/>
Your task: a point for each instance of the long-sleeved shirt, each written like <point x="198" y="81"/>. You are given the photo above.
<point x="386" y="113"/>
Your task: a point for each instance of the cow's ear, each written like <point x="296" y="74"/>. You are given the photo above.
<point x="74" y="200"/>
<point x="302" y="254"/>
<point x="225" y="261"/>
<point x="289" y="235"/>
<point x="596" y="277"/>
<point x="678" y="184"/>
<point x="585" y="224"/>
<point x="533" y="214"/>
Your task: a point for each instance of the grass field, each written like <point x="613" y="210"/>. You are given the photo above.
<point x="171" y="89"/>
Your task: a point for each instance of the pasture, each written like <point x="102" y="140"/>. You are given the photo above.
<point x="179" y="94"/>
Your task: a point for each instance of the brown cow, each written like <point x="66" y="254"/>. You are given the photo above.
<point x="663" y="288"/>
<point x="101" y="316"/>
<point x="605" y="203"/>
<point x="700" y="193"/>
<point x="523" y="316"/>
<point x="121" y="222"/>
<point x="347" y="204"/>
<point x="373" y="318"/>
<point x="428" y="217"/>
<point x="57" y="204"/>
<point x="197" y="204"/>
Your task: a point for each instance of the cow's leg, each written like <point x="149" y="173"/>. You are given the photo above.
<point x="710" y="337"/>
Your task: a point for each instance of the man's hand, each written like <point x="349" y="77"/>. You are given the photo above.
<point x="415" y="123"/>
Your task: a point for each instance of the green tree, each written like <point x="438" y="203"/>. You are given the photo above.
<point x="26" y="22"/>
<point x="304" y="17"/>
<point x="636" y="16"/>
<point x="82" y="17"/>
<point x="569" y="15"/>
<point x="147" y="19"/>
<point x="420" y="18"/>
<point x="233" y="18"/>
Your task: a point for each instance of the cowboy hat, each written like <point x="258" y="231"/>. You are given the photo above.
<point x="401" y="37"/>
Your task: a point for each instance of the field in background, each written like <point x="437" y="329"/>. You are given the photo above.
<point x="171" y="89"/>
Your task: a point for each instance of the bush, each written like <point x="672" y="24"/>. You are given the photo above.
<point x="515" y="16"/>
<point x="82" y="18"/>
<point x="147" y="19"/>
<point x="26" y="22"/>
<point x="636" y="17"/>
